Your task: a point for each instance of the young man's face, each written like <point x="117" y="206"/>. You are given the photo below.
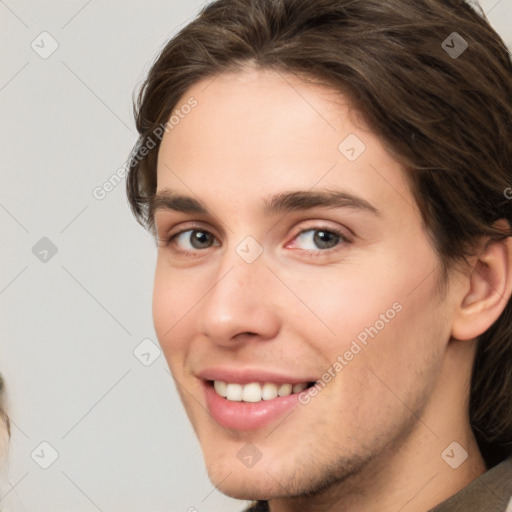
<point x="360" y="307"/>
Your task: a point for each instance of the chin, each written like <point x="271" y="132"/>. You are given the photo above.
<point x="281" y="478"/>
<point x="241" y="483"/>
<point x="262" y="482"/>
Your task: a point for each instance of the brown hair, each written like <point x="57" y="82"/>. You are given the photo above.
<point x="447" y="118"/>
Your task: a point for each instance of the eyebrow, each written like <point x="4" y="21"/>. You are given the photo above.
<point x="280" y="203"/>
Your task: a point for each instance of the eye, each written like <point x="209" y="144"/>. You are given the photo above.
<point x="192" y="239"/>
<point x="320" y="238"/>
<point x="313" y="241"/>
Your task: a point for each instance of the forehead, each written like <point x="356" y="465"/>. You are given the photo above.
<point x="261" y="131"/>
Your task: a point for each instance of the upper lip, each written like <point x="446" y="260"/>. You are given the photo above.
<point x="247" y="375"/>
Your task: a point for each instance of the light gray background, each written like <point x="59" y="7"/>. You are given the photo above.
<point x="69" y="325"/>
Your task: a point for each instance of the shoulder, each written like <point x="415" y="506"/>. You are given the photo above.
<point x="491" y="492"/>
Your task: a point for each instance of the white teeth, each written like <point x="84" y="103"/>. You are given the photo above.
<point x="234" y="392"/>
<point x="297" y="388"/>
<point x="220" y="387"/>
<point x="284" y="390"/>
<point x="255" y="392"/>
<point x="269" y="391"/>
<point x="252" y="392"/>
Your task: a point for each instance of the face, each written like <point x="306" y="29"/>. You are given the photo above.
<point x="299" y="257"/>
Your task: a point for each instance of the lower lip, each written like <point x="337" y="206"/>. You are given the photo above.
<point x="247" y="415"/>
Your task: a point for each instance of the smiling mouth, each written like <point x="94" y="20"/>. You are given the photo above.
<point x="256" y="391"/>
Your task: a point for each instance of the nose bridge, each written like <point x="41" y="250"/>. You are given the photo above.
<point x="239" y="300"/>
<point x="244" y="267"/>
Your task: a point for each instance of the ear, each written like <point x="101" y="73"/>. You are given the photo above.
<point x="488" y="290"/>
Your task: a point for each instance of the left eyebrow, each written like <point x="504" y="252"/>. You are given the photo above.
<point x="277" y="204"/>
<point x="304" y="200"/>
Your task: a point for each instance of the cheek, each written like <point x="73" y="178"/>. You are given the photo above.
<point x="388" y="302"/>
<point x="173" y="299"/>
<point x="392" y="359"/>
<point x="342" y="306"/>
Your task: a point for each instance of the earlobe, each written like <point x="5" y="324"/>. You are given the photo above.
<point x="490" y="289"/>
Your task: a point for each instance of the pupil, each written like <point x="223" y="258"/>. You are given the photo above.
<point x="200" y="237"/>
<point x="325" y="237"/>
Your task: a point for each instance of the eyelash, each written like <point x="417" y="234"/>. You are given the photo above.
<point x="343" y="241"/>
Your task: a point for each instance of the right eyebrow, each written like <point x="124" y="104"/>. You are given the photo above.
<point x="167" y="200"/>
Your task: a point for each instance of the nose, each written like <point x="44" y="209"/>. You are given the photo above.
<point x="241" y="303"/>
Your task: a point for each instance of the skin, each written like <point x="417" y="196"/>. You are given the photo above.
<point x="373" y="437"/>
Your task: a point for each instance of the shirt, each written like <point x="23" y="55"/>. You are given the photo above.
<point x="490" y="492"/>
